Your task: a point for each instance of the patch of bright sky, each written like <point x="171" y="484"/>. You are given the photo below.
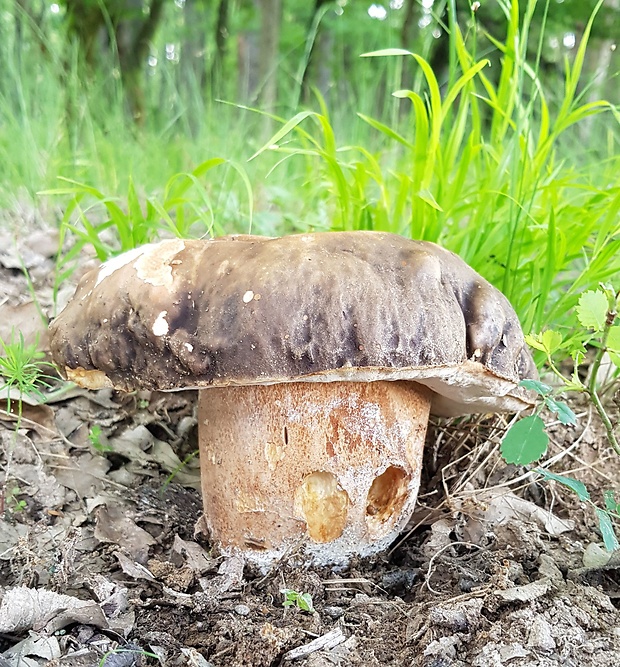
<point x="427" y="6"/>
<point x="569" y="40"/>
<point x="172" y="53"/>
<point x="377" y="12"/>
<point x="55" y="8"/>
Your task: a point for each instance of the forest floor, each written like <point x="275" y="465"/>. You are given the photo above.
<point x="100" y="562"/>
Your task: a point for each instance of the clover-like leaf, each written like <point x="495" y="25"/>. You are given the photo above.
<point x="552" y="340"/>
<point x="607" y="530"/>
<point x="592" y="309"/>
<point x="574" y="485"/>
<point x="613" y="339"/>
<point x="564" y="413"/>
<point x="535" y="385"/>
<point x="533" y="340"/>
<point x="525" y="441"/>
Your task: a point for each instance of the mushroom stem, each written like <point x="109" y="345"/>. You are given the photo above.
<point x="337" y="462"/>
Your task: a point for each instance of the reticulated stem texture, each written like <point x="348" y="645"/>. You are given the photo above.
<point x="334" y="465"/>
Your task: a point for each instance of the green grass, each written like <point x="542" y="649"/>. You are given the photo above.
<point x="22" y="369"/>
<point x="480" y="167"/>
<point x="500" y="164"/>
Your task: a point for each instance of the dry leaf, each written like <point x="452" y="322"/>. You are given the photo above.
<point x="112" y="525"/>
<point x="24" y="608"/>
<point x="496" y="507"/>
<point x="38" y="646"/>
<point x="192" y="555"/>
<point x="133" y="569"/>
<point x="84" y="473"/>
<point x="26" y="320"/>
<point x="42" y="486"/>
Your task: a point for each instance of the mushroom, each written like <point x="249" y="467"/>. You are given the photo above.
<point x="318" y="358"/>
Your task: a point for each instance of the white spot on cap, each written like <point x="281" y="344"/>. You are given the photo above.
<point x="189" y="347"/>
<point x="248" y="296"/>
<point x="160" y="326"/>
<point x="155" y="265"/>
<point x="112" y="265"/>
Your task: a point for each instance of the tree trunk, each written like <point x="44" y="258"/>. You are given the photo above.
<point x="127" y="31"/>
<point x="317" y="41"/>
<point x="132" y="53"/>
<point x="269" y="43"/>
<point x="221" y="37"/>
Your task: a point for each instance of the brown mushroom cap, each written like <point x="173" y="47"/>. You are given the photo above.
<point x="248" y="310"/>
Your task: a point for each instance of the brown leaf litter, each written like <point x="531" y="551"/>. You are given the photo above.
<point x="100" y="562"/>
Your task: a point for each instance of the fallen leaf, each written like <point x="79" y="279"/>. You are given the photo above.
<point x="84" y="473"/>
<point x="42" y="486"/>
<point x="140" y="446"/>
<point x="24" y="320"/>
<point x="133" y="569"/>
<point x="525" y="593"/>
<point x="25" y="608"/>
<point x="10" y="535"/>
<point x="501" y="507"/>
<point x="113" y="525"/>
<point x="44" y="242"/>
<point x="35" y="646"/>
<point x="192" y="555"/>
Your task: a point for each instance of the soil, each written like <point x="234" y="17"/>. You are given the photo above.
<point x="102" y="560"/>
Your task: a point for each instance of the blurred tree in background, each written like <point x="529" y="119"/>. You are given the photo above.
<point x="272" y="53"/>
<point x="101" y="89"/>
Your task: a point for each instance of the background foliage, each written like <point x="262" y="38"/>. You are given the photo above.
<point x="498" y="138"/>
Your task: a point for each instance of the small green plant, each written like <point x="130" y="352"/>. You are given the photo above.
<point x="23" y="368"/>
<point x="526" y="440"/>
<point x="604" y="515"/>
<point x="302" y="601"/>
<point x="12" y="502"/>
<point x="94" y="436"/>
<point x="597" y="313"/>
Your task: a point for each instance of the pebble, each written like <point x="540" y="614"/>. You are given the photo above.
<point x="242" y="610"/>
<point x="334" y="612"/>
<point x="540" y="636"/>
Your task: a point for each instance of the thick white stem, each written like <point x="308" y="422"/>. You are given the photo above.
<point x="337" y="463"/>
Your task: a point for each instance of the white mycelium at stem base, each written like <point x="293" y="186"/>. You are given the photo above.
<point x="336" y="463"/>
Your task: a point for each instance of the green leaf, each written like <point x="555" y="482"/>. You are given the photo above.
<point x="533" y="340"/>
<point x="301" y="600"/>
<point x="537" y="386"/>
<point x="525" y="441"/>
<point x="427" y="196"/>
<point x="548" y="341"/>
<point x="615" y="358"/>
<point x="607" y="530"/>
<point x="386" y="52"/>
<point x="610" y="500"/>
<point x="592" y="309"/>
<point x="613" y="339"/>
<point x="304" y="602"/>
<point x="552" y="340"/>
<point x="578" y="487"/>
<point x="564" y="413"/>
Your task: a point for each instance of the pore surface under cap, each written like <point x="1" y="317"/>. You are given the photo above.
<point x="313" y="307"/>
